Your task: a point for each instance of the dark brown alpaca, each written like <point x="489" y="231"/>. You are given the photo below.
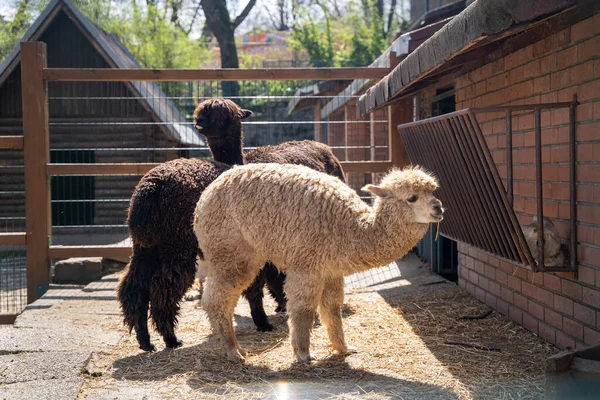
<point x="163" y="263"/>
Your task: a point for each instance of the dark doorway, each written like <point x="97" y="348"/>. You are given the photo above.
<point x="441" y="254"/>
<point x="73" y="196"/>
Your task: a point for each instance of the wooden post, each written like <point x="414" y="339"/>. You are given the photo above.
<point x="397" y="114"/>
<point x="346" y="128"/>
<point x="317" y="120"/>
<point x="395" y="117"/>
<point x="37" y="154"/>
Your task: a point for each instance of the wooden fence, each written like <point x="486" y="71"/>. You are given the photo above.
<point x="38" y="169"/>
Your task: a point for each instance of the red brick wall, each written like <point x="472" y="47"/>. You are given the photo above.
<point x="561" y="309"/>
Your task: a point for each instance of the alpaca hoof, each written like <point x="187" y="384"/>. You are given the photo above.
<point x="192" y="295"/>
<point x="265" y="328"/>
<point x="344" y="351"/>
<point x="243" y="351"/>
<point x="149" y="347"/>
<point x="236" y="357"/>
<point x="173" y="344"/>
<point x="304" y="359"/>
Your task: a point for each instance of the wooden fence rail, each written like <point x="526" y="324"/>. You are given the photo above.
<point x="35" y="142"/>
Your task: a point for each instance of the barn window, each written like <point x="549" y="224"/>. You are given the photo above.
<point x="73" y="196"/>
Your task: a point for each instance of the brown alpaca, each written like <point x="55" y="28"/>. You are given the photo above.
<point x="314" y="228"/>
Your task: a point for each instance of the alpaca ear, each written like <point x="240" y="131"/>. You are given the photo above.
<point x="245" y="113"/>
<point x="378" y="191"/>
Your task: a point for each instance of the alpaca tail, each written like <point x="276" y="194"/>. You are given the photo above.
<point x="141" y="218"/>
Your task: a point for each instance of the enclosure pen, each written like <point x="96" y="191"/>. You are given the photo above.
<point x="95" y="132"/>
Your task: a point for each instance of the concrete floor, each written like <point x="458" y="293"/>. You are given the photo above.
<point x="48" y="353"/>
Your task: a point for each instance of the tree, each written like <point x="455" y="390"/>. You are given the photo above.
<point x="12" y="31"/>
<point x="354" y="38"/>
<point x="315" y="38"/>
<point x="223" y="28"/>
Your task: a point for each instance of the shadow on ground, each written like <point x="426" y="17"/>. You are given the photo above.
<point x="436" y="309"/>
<point x="205" y="371"/>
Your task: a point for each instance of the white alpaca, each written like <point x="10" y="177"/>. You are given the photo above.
<point x="314" y="228"/>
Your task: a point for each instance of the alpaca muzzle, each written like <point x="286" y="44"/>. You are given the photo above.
<point x="438" y="210"/>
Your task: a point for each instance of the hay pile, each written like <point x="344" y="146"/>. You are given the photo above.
<point x="401" y="353"/>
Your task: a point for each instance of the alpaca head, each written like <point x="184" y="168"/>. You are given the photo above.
<point x="218" y="118"/>
<point x="552" y="242"/>
<point x="411" y="190"/>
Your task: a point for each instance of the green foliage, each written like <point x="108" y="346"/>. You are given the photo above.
<point x="155" y="41"/>
<point x="315" y="38"/>
<point x="368" y="42"/>
<point x="354" y="39"/>
<point x="146" y="31"/>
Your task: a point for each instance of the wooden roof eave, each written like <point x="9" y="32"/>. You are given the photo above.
<point x="474" y="48"/>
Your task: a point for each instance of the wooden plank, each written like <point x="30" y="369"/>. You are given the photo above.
<point x="13" y="239"/>
<point x="224" y="74"/>
<point x="99" y="169"/>
<point x="366" y="166"/>
<point x="398" y="113"/>
<point x="8" y="319"/>
<point x="317" y="119"/>
<point x="89" y="251"/>
<point x="37" y="155"/>
<point x="142" y="168"/>
<point x="346" y="129"/>
<point x="11" y="142"/>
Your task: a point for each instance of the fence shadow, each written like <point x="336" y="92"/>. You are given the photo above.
<point x="441" y="314"/>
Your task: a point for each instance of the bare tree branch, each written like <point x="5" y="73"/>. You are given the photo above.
<point x="240" y="18"/>
<point x="272" y="17"/>
<point x="390" y="18"/>
<point x="187" y="32"/>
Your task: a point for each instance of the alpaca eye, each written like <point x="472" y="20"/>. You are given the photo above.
<point x="412" y="199"/>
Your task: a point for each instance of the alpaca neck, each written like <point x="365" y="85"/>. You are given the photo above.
<point x="227" y="150"/>
<point x="389" y="234"/>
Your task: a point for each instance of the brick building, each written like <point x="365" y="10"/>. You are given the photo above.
<point x="495" y="54"/>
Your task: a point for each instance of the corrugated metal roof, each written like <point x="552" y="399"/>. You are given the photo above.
<point x="117" y="55"/>
<point x="478" y="20"/>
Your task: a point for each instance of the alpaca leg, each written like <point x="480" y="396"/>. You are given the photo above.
<point x="166" y="292"/>
<point x="303" y="292"/>
<point x="275" y="281"/>
<point x="134" y="296"/>
<point x="254" y="295"/>
<point x="330" y="311"/>
<point x="221" y="294"/>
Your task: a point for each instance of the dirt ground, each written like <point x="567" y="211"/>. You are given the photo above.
<point x="404" y="331"/>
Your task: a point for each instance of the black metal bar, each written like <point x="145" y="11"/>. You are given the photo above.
<point x="509" y="157"/>
<point x="573" y="180"/>
<point x="513" y="231"/>
<point x="427" y="133"/>
<point x="539" y="186"/>
<point x="466" y="204"/>
<point x="479" y="170"/>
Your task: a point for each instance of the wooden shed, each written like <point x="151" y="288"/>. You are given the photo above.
<point x="89" y="122"/>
